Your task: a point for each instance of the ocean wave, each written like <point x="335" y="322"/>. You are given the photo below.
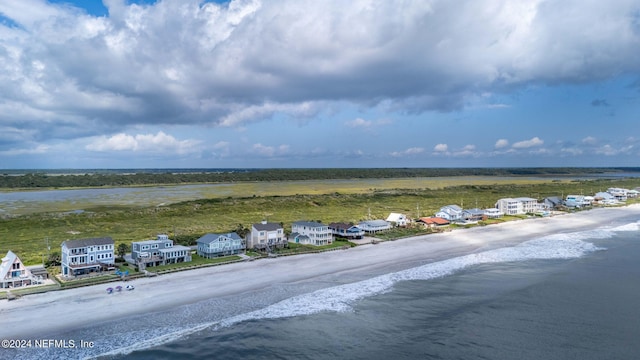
<point x="627" y="227"/>
<point x="343" y="297"/>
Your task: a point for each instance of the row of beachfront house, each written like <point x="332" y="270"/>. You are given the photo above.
<point x="97" y="254"/>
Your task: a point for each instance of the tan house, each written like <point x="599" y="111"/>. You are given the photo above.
<point x="266" y="235"/>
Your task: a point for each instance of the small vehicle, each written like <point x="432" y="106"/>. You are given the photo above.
<point x="118" y="288"/>
<point x="130" y="287"/>
<point x="109" y="290"/>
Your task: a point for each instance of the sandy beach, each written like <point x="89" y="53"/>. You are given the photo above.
<point x="53" y="312"/>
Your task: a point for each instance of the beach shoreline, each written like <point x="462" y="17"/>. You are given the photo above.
<point x="55" y="312"/>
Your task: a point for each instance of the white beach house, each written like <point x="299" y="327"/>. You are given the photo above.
<point x="450" y="212"/>
<point x="310" y="233"/>
<point x="84" y="256"/>
<point x="13" y="273"/>
<point x="398" y="219"/>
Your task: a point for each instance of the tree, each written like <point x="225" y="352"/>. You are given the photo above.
<point x="242" y="231"/>
<point x="122" y="250"/>
<point x="53" y="259"/>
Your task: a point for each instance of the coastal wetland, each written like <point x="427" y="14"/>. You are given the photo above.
<point x="31" y="218"/>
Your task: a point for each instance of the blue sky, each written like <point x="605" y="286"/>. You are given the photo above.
<point x="363" y="83"/>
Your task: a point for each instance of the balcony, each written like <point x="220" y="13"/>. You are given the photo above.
<point x="78" y="265"/>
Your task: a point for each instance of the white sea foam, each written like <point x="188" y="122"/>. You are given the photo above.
<point x="628" y="227"/>
<point x="343" y="297"/>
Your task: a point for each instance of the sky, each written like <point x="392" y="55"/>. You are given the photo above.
<point x="308" y="83"/>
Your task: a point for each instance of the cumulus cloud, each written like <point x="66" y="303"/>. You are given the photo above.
<point x="525" y="144"/>
<point x="501" y="143"/>
<point x="157" y="143"/>
<point x="609" y="150"/>
<point x="191" y="61"/>
<point x="441" y="148"/>
<point x="467" y="150"/>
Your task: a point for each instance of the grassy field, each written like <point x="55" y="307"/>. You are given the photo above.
<point x="101" y="199"/>
<point x="285" y="202"/>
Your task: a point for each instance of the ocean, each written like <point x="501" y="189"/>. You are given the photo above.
<point x="564" y="296"/>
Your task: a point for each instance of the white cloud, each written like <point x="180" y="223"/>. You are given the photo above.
<point x="366" y="124"/>
<point x="157" y="143"/>
<point x="40" y="149"/>
<point x="270" y="151"/>
<point x="609" y="150"/>
<point x="572" y="151"/>
<point x="441" y="148"/>
<point x="359" y="122"/>
<point x="590" y="140"/>
<point x="408" y="152"/>
<point x="467" y="150"/>
<point x="501" y="143"/>
<point x="498" y="106"/>
<point x="525" y="144"/>
<point x="240" y="62"/>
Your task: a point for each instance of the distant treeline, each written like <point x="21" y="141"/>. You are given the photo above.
<point x="44" y="180"/>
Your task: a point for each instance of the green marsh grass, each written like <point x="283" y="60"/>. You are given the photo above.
<point x="279" y="201"/>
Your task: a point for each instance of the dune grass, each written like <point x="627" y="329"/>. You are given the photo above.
<point x="27" y="235"/>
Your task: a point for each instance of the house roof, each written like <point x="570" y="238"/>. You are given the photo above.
<point x="474" y="211"/>
<point x="175" y="248"/>
<point x="396" y="216"/>
<point x="525" y="199"/>
<point x="452" y="207"/>
<point x="80" y="243"/>
<point x="6" y="263"/>
<point x="267" y="226"/>
<point x="296" y="235"/>
<point x="343" y="226"/>
<point x="434" y="220"/>
<point x="374" y="223"/>
<point x="339" y="226"/>
<point x="308" y="223"/>
<point x="209" y="238"/>
<point x="604" y="195"/>
<point x="154" y="241"/>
